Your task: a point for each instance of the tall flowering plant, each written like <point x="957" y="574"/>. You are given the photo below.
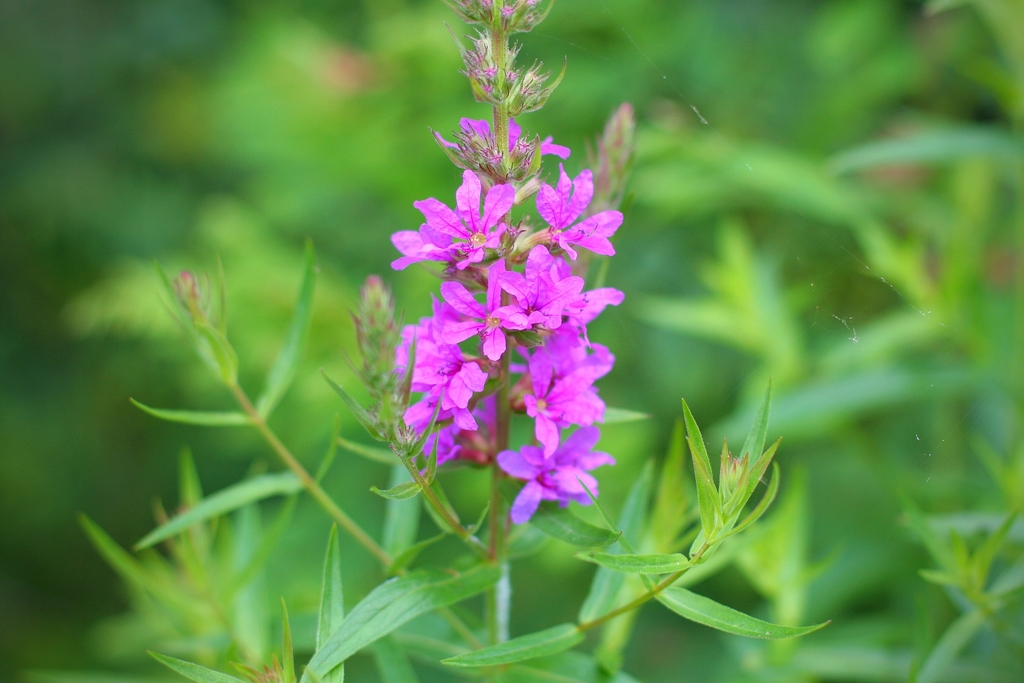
<point x="507" y="339"/>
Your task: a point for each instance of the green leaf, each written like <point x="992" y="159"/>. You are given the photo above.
<point x="396" y="602"/>
<point x="224" y="501"/>
<point x="953" y="640"/>
<point x="401" y="492"/>
<point x="638" y="564"/>
<point x="332" y="596"/>
<point x="707" y="612"/>
<point x="762" y="506"/>
<point x="287" y="650"/>
<point x="381" y="455"/>
<point x="614" y="415"/>
<point x="672" y="502"/>
<point x="392" y="664"/>
<point x="190" y="489"/>
<point x="282" y="373"/>
<point x="563" y="524"/>
<point x="547" y="642"/>
<point x="401" y="518"/>
<point x="364" y="418"/>
<point x="707" y="493"/>
<point x="754" y="444"/>
<point x="221" y="351"/>
<point x="929" y="147"/>
<point x="409" y="555"/>
<point x="130" y="568"/>
<point x="606" y="584"/>
<point x="250" y="616"/>
<point x="194" y="672"/>
<point x="196" y="417"/>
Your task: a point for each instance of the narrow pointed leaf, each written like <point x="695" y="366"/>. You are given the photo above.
<point x="606" y="584"/>
<point x="194" y="672"/>
<point x="409" y="555"/>
<point x="197" y="417"/>
<point x="547" y="642"/>
<point x="282" y="373"/>
<point x="190" y="490"/>
<point x="381" y="455"/>
<point x="614" y="415"/>
<point x="562" y="524"/>
<point x="224" y="501"/>
<point x="221" y="350"/>
<point x="955" y="638"/>
<point x="358" y="411"/>
<point x="130" y="568"/>
<point x="754" y="444"/>
<point x="707" y="493"/>
<point x="396" y="602"/>
<point x="332" y="598"/>
<point x="707" y="612"/>
<point x="401" y="492"/>
<point x="637" y="564"/>
<point x="287" y="650"/>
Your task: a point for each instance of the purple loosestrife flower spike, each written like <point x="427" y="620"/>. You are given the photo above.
<point x="441" y="370"/>
<point x="561" y="205"/>
<point x="541" y="293"/>
<point x="556" y="476"/>
<point x="488" y="323"/>
<point x="563" y="392"/>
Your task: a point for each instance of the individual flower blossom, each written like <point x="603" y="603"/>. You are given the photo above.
<point x="456" y="443"/>
<point x="541" y="292"/>
<point x="587" y="305"/>
<point x="559" y="400"/>
<point x="436" y="239"/>
<point x="561" y="205"/>
<point x="568" y="354"/>
<point x="441" y="370"/>
<point x="481" y="130"/>
<point x="488" y="323"/>
<point x="555" y="476"/>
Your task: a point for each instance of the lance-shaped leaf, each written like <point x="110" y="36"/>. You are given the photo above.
<point x="332" y="602"/>
<point x="707" y="612"/>
<point x="381" y="455"/>
<point x="754" y="444"/>
<point x="282" y="373"/>
<point x="606" y="584"/>
<point x="401" y="492"/>
<point x="197" y="417"/>
<point x="562" y="524"/>
<point x="707" y="493"/>
<point x="613" y="415"/>
<point x="131" y="569"/>
<point x="409" y="555"/>
<point x="547" y="642"/>
<point x="958" y="636"/>
<point x="638" y="564"/>
<point x="194" y="672"/>
<point x="221" y="351"/>
<point x="394" y="603"/>
<point x="222" y="502"/>
<point x="287" y="650"/>
<point x="358" y="411"/>
<point x="762" y="506"/>
<point x="759" y="468"/>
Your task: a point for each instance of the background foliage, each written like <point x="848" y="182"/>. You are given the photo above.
<point x="770" y="234"/>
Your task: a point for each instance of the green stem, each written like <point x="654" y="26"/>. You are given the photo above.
<point x="308" y="482"/>
<point x="441" y="509"/>
<point x="646" y="597"/>
<point x="499" y="48"/>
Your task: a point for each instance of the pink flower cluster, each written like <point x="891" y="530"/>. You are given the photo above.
<point x="514" y="292"/>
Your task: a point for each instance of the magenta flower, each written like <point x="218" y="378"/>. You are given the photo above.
<point x="556" y="476"/>
<point x="440" y="370"/>
<point x="559" y="400"/>
<point x="542" y="293"/>
<point x="482" y="129"/>
<point x="561" y="205"/>
<point x="467" y="223"/>
<point x="488" y="321"/>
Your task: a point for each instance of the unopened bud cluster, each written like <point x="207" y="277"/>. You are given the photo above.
<point x="513" y="17"/>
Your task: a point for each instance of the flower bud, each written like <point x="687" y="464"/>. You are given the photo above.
<point x="613" y="160"/>
<point x="377" y="336"/>
<point x="193" y="295"/>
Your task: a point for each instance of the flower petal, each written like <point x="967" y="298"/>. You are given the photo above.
<point x="526" y="503"/>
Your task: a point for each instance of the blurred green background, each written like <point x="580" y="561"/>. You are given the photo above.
<point x="826" y="192"/>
